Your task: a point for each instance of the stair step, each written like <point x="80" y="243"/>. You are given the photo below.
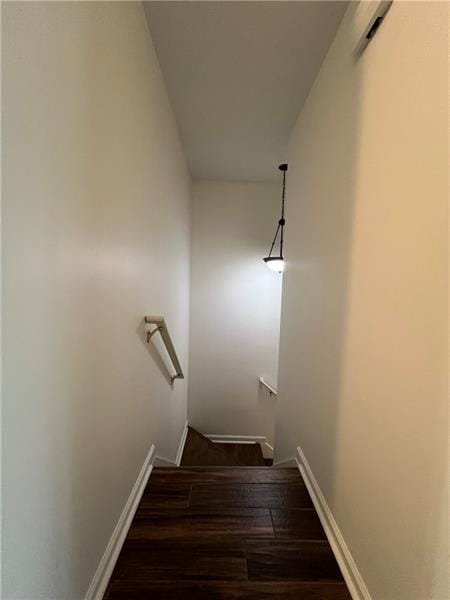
<point x="164" y="476"/>
<point x="226" y="532"/>
<point x="224" y="590"/>
<point x="244" y="454"/>
<point x="200" y="451"/>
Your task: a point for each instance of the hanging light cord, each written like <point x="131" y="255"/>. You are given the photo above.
<point x="282" y="221"/>
<point x="274" y="240"/>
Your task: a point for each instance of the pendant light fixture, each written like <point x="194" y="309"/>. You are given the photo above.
<point x="276" y="263"/>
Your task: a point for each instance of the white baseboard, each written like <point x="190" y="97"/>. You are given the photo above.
<point x="163" y="462"/>
<point x="288" y="462"/>
<point x="350" y="572"/>
<point x="160" y="461"/>
<point x="266" y="448"/>
<point x="105" y="568"/>
<point x="181" y="446"/>
<point x="236" y="439"/>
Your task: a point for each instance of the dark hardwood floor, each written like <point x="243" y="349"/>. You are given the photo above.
<point x="211" y="533"/>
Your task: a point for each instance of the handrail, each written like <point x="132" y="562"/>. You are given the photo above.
<point x="271" y="389"/>
<point x="165" y="336"/>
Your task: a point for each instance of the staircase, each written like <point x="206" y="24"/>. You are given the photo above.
<point x="200" y="451"/>
<point x="229" y="532"/>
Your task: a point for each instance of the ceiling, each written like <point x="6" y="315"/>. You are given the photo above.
<point x="237" y="74"/>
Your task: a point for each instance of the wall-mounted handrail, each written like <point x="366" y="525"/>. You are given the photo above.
<point x="271" y="389"/>
<point x="160" y="325"/>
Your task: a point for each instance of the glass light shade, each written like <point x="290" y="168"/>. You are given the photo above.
<point x="275" y="264"/>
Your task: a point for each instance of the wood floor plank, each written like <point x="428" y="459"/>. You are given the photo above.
<point x="228" y="590"/>
<point x="258" y="495"/>
<point x="183" y="560"/>
<point x="175" y="524"/>
<point x="291" y="560"/>
<point x="302" y="524"/>
<point x="169" y="495"/>
<point x="243" y="454"/>
<point x="248" y="533"/>
<point x="163" y="475"/>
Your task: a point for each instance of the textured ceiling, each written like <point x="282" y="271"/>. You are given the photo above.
<point x="237" y="74"/>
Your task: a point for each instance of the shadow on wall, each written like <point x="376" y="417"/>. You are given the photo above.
<point x="96" y="234"/>
<point x="320" y="214"/>
<point x="357" y="365"/>
<point x="156" y="350"/>
<point x="235" y="307"/>
<point x="266" y="405"/>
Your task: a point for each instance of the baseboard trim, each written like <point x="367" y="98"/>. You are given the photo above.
<point x="236" y="439"/>
<point x="355" y="583"/>
<point x="266" y="448"/>
<point x="160" y="461"/>
<point x="181" y="446"/>
<point x="107" y="563"/>
<point x="288" y="462"/>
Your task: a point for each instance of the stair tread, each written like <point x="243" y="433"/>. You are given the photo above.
<point x="305" y="560"/>
<point x="255" y="495"/>
<point x="244" y="454"/>
<point x="200" y="451"/>
<point x="162" y="476"/>
<point x="224" y="590"/>
<point x="191" y="523"/>
<point x="226" y="532"/>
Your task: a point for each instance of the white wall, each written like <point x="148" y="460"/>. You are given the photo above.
<point x="235" y="308"/>
<point x="362" y="376"/>
<point x="96" y="234"/>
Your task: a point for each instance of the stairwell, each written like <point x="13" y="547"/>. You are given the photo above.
<point x="200" y="451"/>
<point x="225" y="532"/>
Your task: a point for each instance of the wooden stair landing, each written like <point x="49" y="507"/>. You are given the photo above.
<point x="200" y="451"/>
<point x="248" y="533"/>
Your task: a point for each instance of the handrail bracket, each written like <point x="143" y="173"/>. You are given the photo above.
<point x="271" y="389"/>
<point x="165" y="336"/>
<point x="150" y="334"/>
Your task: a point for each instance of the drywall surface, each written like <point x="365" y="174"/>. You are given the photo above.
<point x="96" y="235"/>
<point x="362" y="378"/>
<point x="237" y="73"/>
<point x="235" y="308"/>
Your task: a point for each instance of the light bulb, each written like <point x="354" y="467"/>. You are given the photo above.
<point x="275" y="264"/>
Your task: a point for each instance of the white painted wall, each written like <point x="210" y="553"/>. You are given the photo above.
<point x="96" y="234"/>
<point x="235" y="308"/>
<point x="362" y="378"/>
